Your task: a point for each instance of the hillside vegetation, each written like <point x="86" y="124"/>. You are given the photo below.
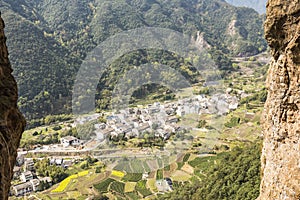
<point x="235" y="175"/>
<point x="49" y="39"/>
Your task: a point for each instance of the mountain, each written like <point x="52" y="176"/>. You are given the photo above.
<point x="49" y="39"/>
<point x="258" y="5"/>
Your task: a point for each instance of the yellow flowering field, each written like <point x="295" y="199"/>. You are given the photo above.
<point x="117" y="173"/>
<point x="63" y="185"/>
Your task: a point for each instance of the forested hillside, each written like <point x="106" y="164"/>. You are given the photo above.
<point x="48" y="39"/>
<point x="234" y="175"/>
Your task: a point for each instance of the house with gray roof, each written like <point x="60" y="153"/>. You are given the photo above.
<point x="27" y="187"/>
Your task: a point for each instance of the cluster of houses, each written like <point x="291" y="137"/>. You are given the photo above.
<point x="160" y="119"/>
<point x="25" y="172"/>
<point x="134" y="122"/>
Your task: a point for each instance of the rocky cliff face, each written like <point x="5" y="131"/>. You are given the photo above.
<point x="281" y="120"/>
<point x="11" y="121"/>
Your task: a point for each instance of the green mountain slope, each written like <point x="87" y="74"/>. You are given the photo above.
<point x="231" y="175"/>
<point x="48" y="39"/>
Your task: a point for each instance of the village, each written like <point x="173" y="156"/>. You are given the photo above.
<point x="24" y="172"/>
<point x="160" y="119"/>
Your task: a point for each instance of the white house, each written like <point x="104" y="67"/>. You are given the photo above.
<point x="35" y="184"/>
<point x="24" y="188"/>
<point x="70" y="141"/>
<point x="26" y="176"/>
<point x="29" y="165"/>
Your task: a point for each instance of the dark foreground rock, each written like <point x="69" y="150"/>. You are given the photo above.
<point x="12" y="123"/>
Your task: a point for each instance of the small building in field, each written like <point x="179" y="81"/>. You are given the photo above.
<point x="70" y="141"/>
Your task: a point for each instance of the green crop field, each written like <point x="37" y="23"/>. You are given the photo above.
<point x="118" y="187"/>
<point x="142" y="189"/>
<point x="132" y="177"/>
<point x="186" y="157"/>
<point x="146" y="167"/>
<point x="133" y="195"/>
<point x="159" y="174"/>
<point x="202" y="162"/>
<point x="137" y="166"/>
<point x="103" y="186"/>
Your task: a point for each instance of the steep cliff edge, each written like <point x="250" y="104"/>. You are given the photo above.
<point x="11" y="121"/>
<point x="281" y="119"/>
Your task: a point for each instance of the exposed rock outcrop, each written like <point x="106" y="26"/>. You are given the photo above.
<point x="281" y="120"/>
<point x="11" y="121"/>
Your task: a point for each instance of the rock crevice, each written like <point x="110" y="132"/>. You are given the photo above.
<point x="281" y="119"/>
<point x="12" y="123"/>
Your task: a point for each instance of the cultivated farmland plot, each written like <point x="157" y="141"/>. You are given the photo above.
<point x="103" y="186"/>
<point x="118" y="187"/>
